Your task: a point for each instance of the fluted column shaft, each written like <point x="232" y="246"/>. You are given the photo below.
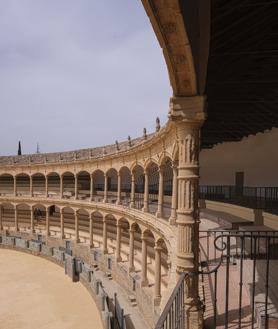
<point x="132" y="196"/>
<point x="105" y="188"/>
<point x="173" y="216"/>
<point x="146" y="192"/>
<point x="144" y="277"/>
<point x="119" y="189"/>
<point x="131" y="266"/>
<point x="118" y="242"/>
<point x="105" y="250"/>
<point x="159" y="212"/>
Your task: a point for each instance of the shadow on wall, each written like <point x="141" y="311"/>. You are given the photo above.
<point x="256" y="156"/>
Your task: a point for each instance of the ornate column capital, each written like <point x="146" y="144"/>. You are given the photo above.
<point x="188" y="109"/>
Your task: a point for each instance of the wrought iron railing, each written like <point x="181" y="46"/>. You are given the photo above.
<point x="173" y="315"/>
<point x="265" y="198"/>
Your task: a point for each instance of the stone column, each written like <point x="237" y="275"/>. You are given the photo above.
<point x="91" y="187"/>
<point x="15" y="219"/>
<point x="159" y="212"/>
<point x="47" y="222"/>
<point x="132" y="196"/>
<point x="61" y="186"/>
<point x="32" y="221"/>
<point x="144" y="278"/>
<point x="75" y="186"/>
<point x="76" y="224"/>
<point x="62" y="224"/>
<point x="105" y="250"/>
<point x="119" y="189"/>
<point x="173" y="217"/>
<point x="91" y="232"/>
<point x="118" y="242"/>
<point x="188" y="115"/>
<point x="157" y="274"/>
<point x="1" y="217"/>
<point x="131" y="267"/>
<point x="15" y="187"/>
<point x="146" y="192"/>
<point x="31" y="186"/>
<point x="46" y="186"/>
<point x="105" y="188"/>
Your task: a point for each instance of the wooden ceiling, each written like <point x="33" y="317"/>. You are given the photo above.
<point x="242" y="70"/>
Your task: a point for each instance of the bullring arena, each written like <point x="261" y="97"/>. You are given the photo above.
<point x="123" y="235"/>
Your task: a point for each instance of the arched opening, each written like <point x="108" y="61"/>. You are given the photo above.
<point x="83" y="223"/>
<point x="98" y="179"/>
<point x="69" y="221"/>
<point x="153" y="177"/>
<point x="54" y="219"/>
<point x="124" y="239"/>
<point x="53" y="182"/>
<point x="112" y="185"/>
<point x="39" y="217"/>
<point x="6" y="184"/>
<point x="125" y="176"/>
<point x="97" y="218"/>
<point x="111" y="233"/>
<point x="23" y="184"/>
<point x="150" y="257"/>
<point x="68" y="185"/>
<point x="165" y="263"/>
<point x="38" y="181"/>
<point x="83" y="185"/>
<point x="138" y="173"/>
<point x="8" y="215"/>
<point x="23" y="216"/>
<point x="137" y="247"/>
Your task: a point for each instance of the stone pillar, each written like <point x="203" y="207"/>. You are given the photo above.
<point x="119" y="189"/>
<point x="118" y="242"/>
<point x="46" y="186"/>
<point x="47" y="228"/>
<point x="32" y="221"/>
<point x="76" y="224"/>
<point x="105" y="188"/>
<point x="91" y="187"/>
<point x="15" y="186"/>
<point x="144" y="278"/>
<point x="132" y="196"/>
<point x="75" y="186"/>
<point x="159" y="212"/>
<point x="31" y="186"/>
<point x="157" y="273"/>
<point x="131" y="267"/>
<point x="188" y="115"/>
<point x="62" y="224"/>
<point x="146" y="192"/>
<point x="61" y="186"/>
<point x="91" y="232"/>
<point x="15" y="219"/>
<point x="173" y="217"/>
<point x="105" y="250"/>
<point x="1" y="217"/>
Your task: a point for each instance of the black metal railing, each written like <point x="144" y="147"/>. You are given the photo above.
<point x="173" y="315"/>
<point x="265" y="198"/>
<point x="247" y="260"/>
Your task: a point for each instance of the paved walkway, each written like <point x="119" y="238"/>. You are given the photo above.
<point x="35" y="293"/>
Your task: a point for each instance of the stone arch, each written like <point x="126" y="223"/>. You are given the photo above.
<point x="53" y="181"/>
<point x="8" y="214"/>
<point x="23" y="216"/>
<point x="6" y="184"/>
<point x="23" y="184"/>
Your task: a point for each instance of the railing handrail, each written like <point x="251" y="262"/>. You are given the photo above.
<point x="170" y="301"/>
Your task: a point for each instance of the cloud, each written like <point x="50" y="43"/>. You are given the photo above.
<point x="77" y="74"/>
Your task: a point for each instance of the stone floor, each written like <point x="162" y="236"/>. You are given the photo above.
<point x="35" y="293"/>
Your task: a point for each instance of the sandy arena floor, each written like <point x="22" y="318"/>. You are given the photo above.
<point x="35" y="293"/>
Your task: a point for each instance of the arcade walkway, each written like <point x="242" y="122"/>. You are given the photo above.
<point x="35" y="293"/>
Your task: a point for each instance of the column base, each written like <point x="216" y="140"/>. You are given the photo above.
<point x="131" y="269"/>
<point x="145" y="283"/>
<point x="145" y="209"/>
<point x="105" y="251"/>
<point x="158" y="214"/>
<point x="92" y="245"/>
<point x="118" y="203"/>
<point x="131" y="204"/>
<point x="172" y="220"/>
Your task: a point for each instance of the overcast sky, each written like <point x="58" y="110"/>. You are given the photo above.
<point x="77" y="74"/>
